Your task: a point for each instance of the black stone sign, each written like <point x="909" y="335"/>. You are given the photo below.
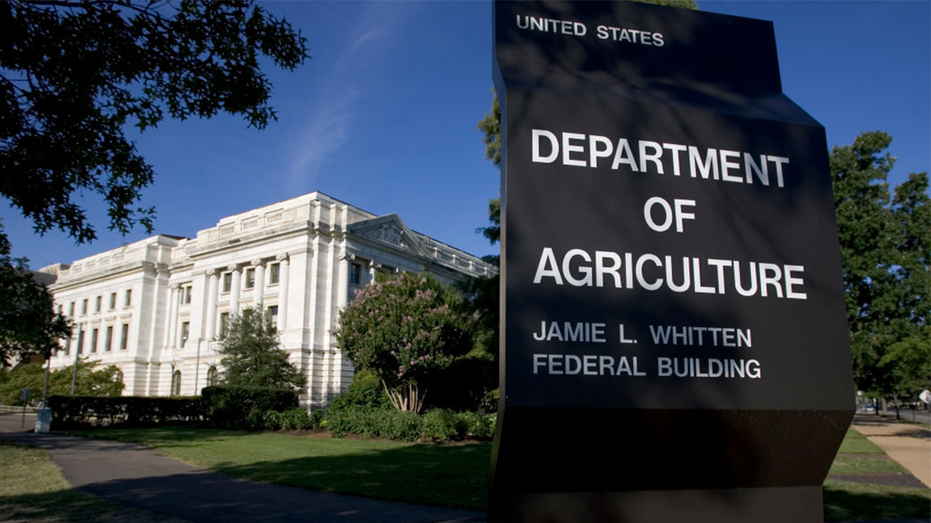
<point x="674" y="338"/>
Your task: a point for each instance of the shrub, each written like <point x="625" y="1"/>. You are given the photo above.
<point x="124" y="411"/>
<point x="369" y="422"/>
<point x="442" y="425"/>
<point x="294" y="419"/>
<point x="438" y="425"/>
<point x="242" y="407"/>
<point x="365" y="390"/>
<point x="317" y="419"/>
<point x="480" y="426"/>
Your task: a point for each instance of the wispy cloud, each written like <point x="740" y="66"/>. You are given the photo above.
<point x="331" y="115"/>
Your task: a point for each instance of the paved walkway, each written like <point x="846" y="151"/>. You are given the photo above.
<point x="138" y="477"/>
<point x="910" y="445"/>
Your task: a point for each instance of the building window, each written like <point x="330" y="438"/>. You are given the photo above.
<point x="112" y="301"/>
<point x="68" y="346"/>
<point x="250" y="278"/>
<point x="80" y="341"/>
<point x="274" y="273"/>
<point x="355" y="274"/>
<point x="71" y="310"/>
<point x="227" y="282"/>
<point x="186" y="295"/>
<point x="129" y="298"/>
<point x="185" y="331"/>
<point x="176" y="383"/>
<point x="213" y="377"/>
<point x="124" y="336"/>
<point x="94" y="341"/>
<point x="84" y="307"/>
<point x="108" y="340"/>
<point x="271" y="314"/>
<point x="97" y="303"/>
<point x="224" y="319"/>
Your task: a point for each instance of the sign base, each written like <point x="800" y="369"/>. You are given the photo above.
<point x="760" y="505"/>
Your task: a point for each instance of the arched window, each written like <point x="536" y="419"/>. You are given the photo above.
<point x="213" y="377"/>
<point x="176" y="383"/>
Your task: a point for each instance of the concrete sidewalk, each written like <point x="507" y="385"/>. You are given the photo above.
<point x="138" y="477"/>
<point x="908" y="444"/>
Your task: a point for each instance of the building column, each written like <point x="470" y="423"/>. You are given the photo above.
<point x="373" y="268"/>
<point x="342" y="293"/>
<point x="283" y="278"/>
<point x="212" y="287"/>
<point x="258" y="289"/>
<point x="234" y="291"/>
<point x="172" y="315"/>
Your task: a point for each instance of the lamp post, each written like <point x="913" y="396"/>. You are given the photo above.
<point x="74" y="373"/>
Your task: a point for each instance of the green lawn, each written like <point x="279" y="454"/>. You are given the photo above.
<point x="441" y="475"/>
<point x="456" y="475"/>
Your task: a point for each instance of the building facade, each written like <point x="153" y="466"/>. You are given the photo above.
<point x="156" y="308"/>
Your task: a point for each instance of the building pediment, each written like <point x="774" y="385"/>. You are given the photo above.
<point x="388" y="230"/>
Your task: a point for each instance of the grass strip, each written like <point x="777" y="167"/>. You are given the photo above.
<point x="865" y="464"/>
<point x="33" y="490"/>
<point x="856" y="443"/>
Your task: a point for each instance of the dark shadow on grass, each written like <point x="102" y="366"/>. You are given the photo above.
<point x="64" y="506"/>
<point x="843" y="502"/>
<point x="436" y="475"/>
<point x="207" y="497"/>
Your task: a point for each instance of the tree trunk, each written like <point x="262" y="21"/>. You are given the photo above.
<point x="406" y="399"/>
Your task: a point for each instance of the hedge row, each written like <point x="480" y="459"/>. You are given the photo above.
<point x="435" y="425"/>
<point x="84" y="411"/>
<point x="223" y="407"/>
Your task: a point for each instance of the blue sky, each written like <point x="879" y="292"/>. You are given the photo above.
<point x="384" y="115"/>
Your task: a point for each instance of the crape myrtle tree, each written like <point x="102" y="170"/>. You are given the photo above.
<point x="252" y="354"/>
<point x="76" y="76"/>
<point x="407" y="330"/>
<point x="885" y="249"/>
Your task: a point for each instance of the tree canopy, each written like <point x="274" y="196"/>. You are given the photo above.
<point x="252" y="355"/>
<point x="75" y="77"/>
<point x="885" y="249"/>
<point x="90" y="381"/>
<point x="28" y="324"/>
<point x="407" y="331"/>
<point x="74" y="74"/>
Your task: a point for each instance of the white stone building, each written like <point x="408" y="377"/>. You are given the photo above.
<point x="155" y="308"/>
